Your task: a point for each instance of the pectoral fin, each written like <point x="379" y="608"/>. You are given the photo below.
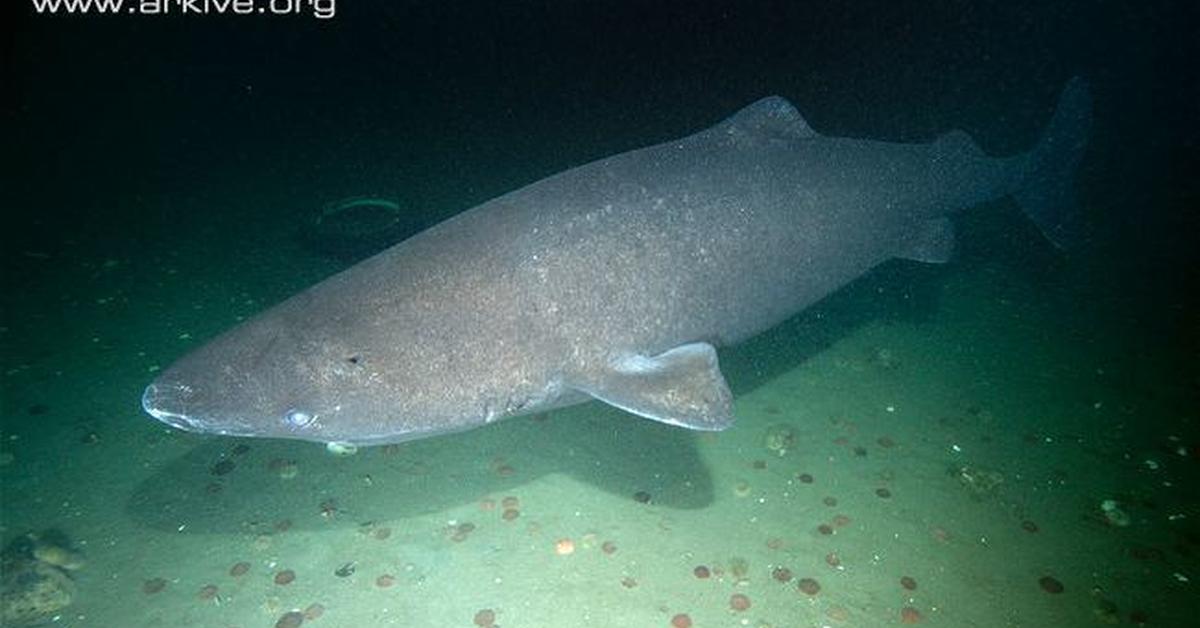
<point x="682" y="386"/>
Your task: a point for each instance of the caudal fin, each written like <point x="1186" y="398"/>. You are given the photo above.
<point x="1046" y="188"/>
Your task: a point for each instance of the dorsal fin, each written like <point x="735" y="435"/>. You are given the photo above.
<point x="772" y="117"/>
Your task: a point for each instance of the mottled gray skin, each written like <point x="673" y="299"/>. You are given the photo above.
<point x="613" y="280"/>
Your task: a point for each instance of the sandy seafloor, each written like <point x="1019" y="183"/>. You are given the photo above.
<point x="993" y="408"/>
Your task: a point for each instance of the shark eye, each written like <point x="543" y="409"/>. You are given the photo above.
<point x="298" y="418"/>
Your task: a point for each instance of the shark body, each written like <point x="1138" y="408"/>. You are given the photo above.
<point x="615" y="280"/>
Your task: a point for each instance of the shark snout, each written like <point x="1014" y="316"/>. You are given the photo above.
<point x="167" y="402"/>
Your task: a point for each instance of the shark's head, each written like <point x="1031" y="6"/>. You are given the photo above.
<point x="264" y="379"/>
<point x="321" y="366"/>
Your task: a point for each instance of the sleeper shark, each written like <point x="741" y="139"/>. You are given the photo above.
<point x="615" y="280"/>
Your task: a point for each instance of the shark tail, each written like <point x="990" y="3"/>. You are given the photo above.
<point x="1046" y="184"/>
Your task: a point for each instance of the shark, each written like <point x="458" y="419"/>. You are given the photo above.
<point x="614" y="281"/>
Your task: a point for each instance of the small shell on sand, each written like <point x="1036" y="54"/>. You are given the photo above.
<point x="485" y="618"/>
<point x="780" y="439"/>
<point x="288" y="470"/>
<point x="562" y="547"/>
<point x="291" y="619"/>
<point x="505" y="470"/>
<point x="458" y="532"/>
<point x="808" y="586"/>
<point x="1050" y="584"/>
<point x="339" y="448"/>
